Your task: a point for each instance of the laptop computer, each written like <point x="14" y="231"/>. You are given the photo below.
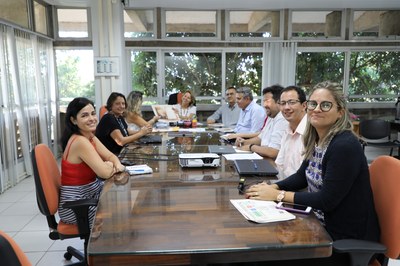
<point x="150" y="139"/>
<point x="255" y="168"/>
<point x="219" y="149"/>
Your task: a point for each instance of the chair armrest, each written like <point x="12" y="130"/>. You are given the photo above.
<point x="81" y="210"/>
<point x="360" y="251"/>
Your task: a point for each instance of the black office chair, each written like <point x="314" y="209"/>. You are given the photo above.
<point x="376" y="133"/>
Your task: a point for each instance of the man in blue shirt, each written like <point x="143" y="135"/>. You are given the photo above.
<point x="252" y="115"/>
<point x="228" y="113"/>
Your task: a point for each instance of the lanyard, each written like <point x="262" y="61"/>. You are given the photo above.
<point x="122" y="128"/>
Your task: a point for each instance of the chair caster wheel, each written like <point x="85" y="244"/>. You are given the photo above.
<point x="67" y="256"/>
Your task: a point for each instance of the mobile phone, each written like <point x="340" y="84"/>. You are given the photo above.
<point x="291" y="207"/>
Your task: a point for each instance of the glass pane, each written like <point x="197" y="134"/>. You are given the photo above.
<point x="312" y="68"/>
<point x="197" y="72"/>
<point x="138" y="24"/>
<point x="374" y="73"/>
<point x="40" y="18"/>
<point x="75" y="75"/>
<point x="191" y="23"/>
<point x="15" y="11"/>
<point x="244" y="69"/>
<point x="254" y="24"/>
<point x="316" y="23"/>
<point x="144" y="72"/>
<point x="72" y="23"/>
<point x="376" y="23"/>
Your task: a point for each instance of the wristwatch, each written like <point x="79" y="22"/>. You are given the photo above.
<point x="280" y="196"/>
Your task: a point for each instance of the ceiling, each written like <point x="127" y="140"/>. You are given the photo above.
<point x="242" y="5"/>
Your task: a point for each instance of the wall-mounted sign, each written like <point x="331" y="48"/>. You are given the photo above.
<point x="106" y="66"/>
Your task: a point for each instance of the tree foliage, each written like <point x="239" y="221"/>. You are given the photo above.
<point x="374" y="73"/>
<point x="70" y="84"/>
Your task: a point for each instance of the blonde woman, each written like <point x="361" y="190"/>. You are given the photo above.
<point x="134" y="112"/>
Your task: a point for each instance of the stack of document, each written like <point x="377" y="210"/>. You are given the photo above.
<point x="261" y="211"/>
<point x="139" y="169"/>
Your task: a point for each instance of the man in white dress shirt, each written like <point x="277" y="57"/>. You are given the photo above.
<point x="268" y="142"/>
<point x="293" y="108"/>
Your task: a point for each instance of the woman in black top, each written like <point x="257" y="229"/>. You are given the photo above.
<point x="113" y="130"/>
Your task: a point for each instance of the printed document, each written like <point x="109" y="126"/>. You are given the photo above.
<point x="261" y="211"/>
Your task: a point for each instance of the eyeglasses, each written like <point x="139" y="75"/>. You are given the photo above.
<point x="290" y="102"/>
<point x="325" y="106"/>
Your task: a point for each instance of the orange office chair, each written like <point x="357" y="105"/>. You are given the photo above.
<point x="47" y="182"/>
<point x="103" y="110"/>
<point x="385" y="183"/>
<point x="10" y="253"/>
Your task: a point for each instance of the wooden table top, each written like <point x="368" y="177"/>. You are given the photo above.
<point x="181" y="216"/>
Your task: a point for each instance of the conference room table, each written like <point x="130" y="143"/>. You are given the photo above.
<point x="183" y="216"/>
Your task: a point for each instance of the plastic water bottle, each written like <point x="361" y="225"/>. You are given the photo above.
<point x="194" y="122"/>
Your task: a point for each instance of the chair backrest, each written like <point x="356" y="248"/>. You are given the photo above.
<point x="10" y="253"/>
<point x="175" y="98"/>
<point x="375" y="129"/>
<point x="385" y="183"/>
<point x="103" y="110"/>
<point x="47" y="179"/>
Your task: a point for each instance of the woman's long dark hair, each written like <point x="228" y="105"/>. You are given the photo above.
<point x="72" y="111"/>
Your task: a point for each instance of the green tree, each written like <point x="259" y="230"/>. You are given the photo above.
<point x="69" y="82"/>
<point x="375" y="73"/>
<point x="312" y="68"/>
<point x="144" y="72"/>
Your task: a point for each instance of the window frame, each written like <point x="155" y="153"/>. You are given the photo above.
<point x="203" y="39"/>
<point x="322" y="38"/>
<point x="389" y="38"/>
<point x="253" y="39"/>
<point x="57" y="30"/>
<point x="155" y="28"/>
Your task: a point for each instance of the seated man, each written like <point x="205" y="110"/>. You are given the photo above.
<point x="228" y="113"/>
<point x="293" y="108"/>
<point x="252" y="115"/>
<point x="268" y="142"/>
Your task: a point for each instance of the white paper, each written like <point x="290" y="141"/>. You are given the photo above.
<point x="261" y="211"/>
<point x="242" y="156"/>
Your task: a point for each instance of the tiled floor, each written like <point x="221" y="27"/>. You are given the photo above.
<point x="20" y="218"/>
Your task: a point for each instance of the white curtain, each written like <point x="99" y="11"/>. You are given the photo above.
<point x="27" y="114"/>
<point x="280" y="63"/>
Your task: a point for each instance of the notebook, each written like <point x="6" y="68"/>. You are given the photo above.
<point x="150" y="139"/>
<point x="218" y="149"/>
<point x="255" y="168"/>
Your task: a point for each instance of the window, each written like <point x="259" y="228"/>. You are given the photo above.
<point x="72" y="23"/>
<point x="373" y="24"/>
<point x="254" y="24"/>
<point x="15" y="11"/>
<point x="75" y="75"/>
<point x="40" y="17"/>
<point x="314" y="67"/>
<point x="197" y="72"/>
<point x="144" y="72"/>
<point x="316" y="24"/>
<point x="244" y="69"/>
<point x="139" y="23"/>
<point x="374" y="76"/>
<point x="186" y="23"/>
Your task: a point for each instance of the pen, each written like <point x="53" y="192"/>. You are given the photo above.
<point x="255" y="165"/>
